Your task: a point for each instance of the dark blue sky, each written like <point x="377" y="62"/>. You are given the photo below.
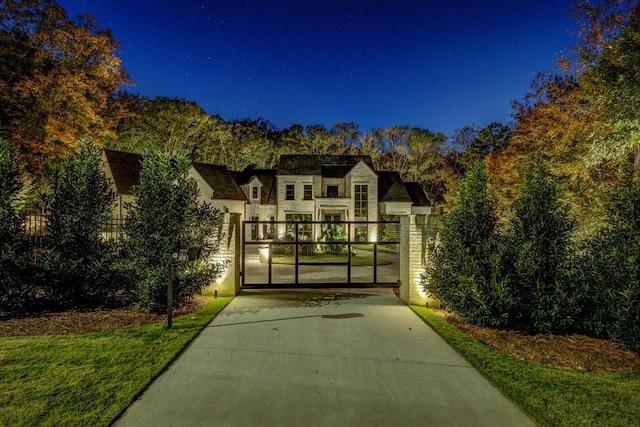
<point x="438" y="65"/>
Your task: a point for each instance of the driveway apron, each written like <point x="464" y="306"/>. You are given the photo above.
<point x="320" y="358"/>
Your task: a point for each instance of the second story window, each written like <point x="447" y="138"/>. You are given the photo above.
<point x="332" y="191"/>
<point x="254" y="192"/>
<point x="291" y="192"/>
<point x="361" y="199"/>
<point x="308" y="192"/>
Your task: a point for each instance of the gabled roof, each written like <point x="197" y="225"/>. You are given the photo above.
<point x="221" y="181"/>
<point x="268" y="179"/>
<point x="417" y="194"/>
<point x="319" y="164"/>
<point x="125" y="168"/>
<point x="391" y="188"/>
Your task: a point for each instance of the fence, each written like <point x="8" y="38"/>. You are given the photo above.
<point x="319" y="253"/>
<point x="36" y="228"/>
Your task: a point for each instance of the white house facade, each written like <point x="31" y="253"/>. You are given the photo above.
<point x="326" y="188"/>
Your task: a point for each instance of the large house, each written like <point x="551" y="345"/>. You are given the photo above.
<point x="327" y="188"/>
<point x="300" y="188"/>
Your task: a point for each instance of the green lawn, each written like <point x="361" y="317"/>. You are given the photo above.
<point x="358" y="260"/>
<point x="88" y="380"/>
<point x="552" y="397"/>
<point x="382" y="248"/>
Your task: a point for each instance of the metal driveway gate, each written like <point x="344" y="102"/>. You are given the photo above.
<point x="318" y="253"/>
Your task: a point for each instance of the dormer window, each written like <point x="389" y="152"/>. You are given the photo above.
<point x="254" y="192"/>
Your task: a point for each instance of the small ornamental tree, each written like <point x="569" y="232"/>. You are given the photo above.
<point x="465" y="274"/>
<point x="538" y="245"/>
<point x="166" y="217"/>
<point x="78" y="261"/>
<point x="333" y="233"/>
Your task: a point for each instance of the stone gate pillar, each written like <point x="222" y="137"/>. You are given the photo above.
<point x="413" y="253"/>
<point x="230" y="252"/>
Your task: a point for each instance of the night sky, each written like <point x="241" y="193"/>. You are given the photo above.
<point x="432" y="64"/>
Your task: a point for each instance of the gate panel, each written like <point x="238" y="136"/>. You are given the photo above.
<point x="318" y="253"/>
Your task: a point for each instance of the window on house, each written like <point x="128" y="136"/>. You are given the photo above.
<point x="332" y="191"/>
<point x="254" y="192"/>
<point x="254" y="228"/>
<point x="290" y="195"/>
<point x="304" y="230"/>
<point x="308" y="192"/>
<point x="361" y="199"/>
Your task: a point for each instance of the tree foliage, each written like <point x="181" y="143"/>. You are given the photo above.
<point x="610" y="269"/>
<point x="57" y="78"/>
<point x="10" y="186"/>
<point x="165" y="218"/>
<point x="11" y="233"/>
<point x="464" y="275"/>
<point x="605" y="64"/>
<point x="538" y="247"/>
<point x="78" y="259"/>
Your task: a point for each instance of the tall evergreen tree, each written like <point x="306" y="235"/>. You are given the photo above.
<point x="539" y="239"/>
<point x="465" y="274"/>
<point x="80" y="202"/>
<point x="166" y="217"/>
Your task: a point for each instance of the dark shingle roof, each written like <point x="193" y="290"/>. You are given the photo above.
<point x="125" y="168"/>
<point x="391" y="188"/>
<point x="312" y="164"/>
<point x="268" y="179"/>
<point x="417" y="194"/>
<point x="221" y="181"/>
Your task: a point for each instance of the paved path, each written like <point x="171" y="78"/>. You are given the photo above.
<point x="321" y="358"/>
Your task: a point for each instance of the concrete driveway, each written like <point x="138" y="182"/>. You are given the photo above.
<point x="320" y="358"/>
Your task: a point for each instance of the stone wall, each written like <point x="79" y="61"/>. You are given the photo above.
<point x="230" y="252"/>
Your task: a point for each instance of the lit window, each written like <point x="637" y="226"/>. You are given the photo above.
<point x="304" y="230"/>
<point x="361" y="199"/>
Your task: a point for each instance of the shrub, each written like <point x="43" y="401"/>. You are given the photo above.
<point x="334" y="233"/>
<point x="611" y="268"/>
<point x="11" y="232"/>
<point x="538" y="245"/>
<point x="165" y="218"/>
<point x="78" y="262"/>
<point x="465" y="275"/>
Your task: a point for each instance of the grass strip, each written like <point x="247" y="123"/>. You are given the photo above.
<point x="89" y="379"/>
<point x="550" y="396"/>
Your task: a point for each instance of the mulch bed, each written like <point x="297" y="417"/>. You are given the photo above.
<point x="574" y="352"/>
<point x="85" y="321"/>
